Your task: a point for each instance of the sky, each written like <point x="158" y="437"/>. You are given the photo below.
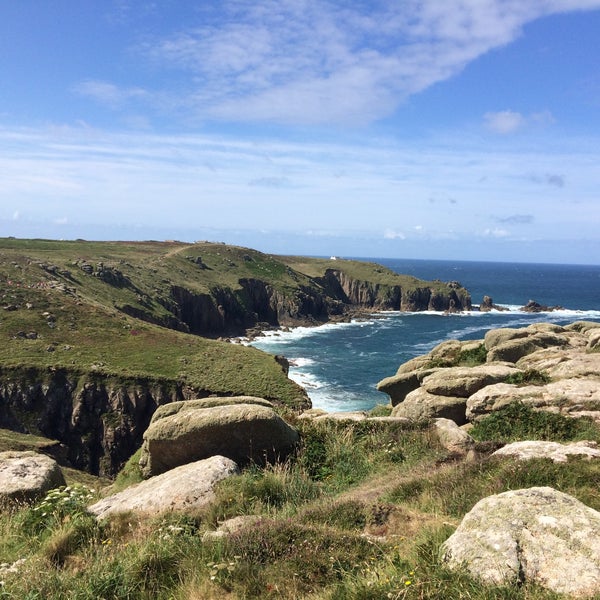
<point x="435" y="129"/>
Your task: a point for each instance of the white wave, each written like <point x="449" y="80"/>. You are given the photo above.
<point x="307" y="380"/>
<point x="300" y="362"/>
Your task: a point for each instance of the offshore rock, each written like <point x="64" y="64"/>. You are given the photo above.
<point x="536" y="535"/>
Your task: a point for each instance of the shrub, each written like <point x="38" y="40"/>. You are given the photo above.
<point x="473" y="357"/>
<point x="528" y="377"/>
<point x="516" y="422"/>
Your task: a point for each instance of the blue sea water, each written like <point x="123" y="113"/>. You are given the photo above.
<point x="339" y="365"/>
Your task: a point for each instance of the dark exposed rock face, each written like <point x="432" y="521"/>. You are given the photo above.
<point x="100" y="421"/>
<point x="364" y="294"/>
<point x="225" y="311"/>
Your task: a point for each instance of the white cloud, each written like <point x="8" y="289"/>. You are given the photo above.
<point x="391" y="234"/>
<point x="16" y="215"/>
<point x="175" y="181"/>
<point x="504" y="122"/>
<point x="496" y="233"/>
<point x="323" y="61"/>
<point x="108" y="93"/>
<point x="507" y="121"/>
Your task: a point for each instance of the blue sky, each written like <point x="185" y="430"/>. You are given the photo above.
<point x="448" y="129"/>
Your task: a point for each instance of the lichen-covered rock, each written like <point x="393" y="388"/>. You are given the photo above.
<point x="25" y="476"/>
<point x="536" y="535"/>
<point x="173" y="408"/>
<point x="495" y="337"/>
<point x="461" y="382"/>
<point x="186" y="487"/>
<point x="421" y="406"/>
<point x="555" y="451"/>
<point x="398" y="386"/>
<point x="243" y="432"/>
<point x="452" y="437"/>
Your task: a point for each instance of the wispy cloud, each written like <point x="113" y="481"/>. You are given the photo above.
<point x="508" y="121"/>
<point x="105" y="178"/>
<point x="108" y="93"/>
<point x="323" y="61"/>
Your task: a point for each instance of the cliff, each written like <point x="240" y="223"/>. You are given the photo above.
<point x="96" y="335"/>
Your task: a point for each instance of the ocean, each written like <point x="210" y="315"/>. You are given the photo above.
<point x="340" y="364"/>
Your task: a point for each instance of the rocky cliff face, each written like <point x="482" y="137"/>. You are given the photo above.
<point x="365" y="294"/>
<point x="101" y="421"/>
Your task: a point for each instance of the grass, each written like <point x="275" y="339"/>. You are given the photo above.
<point x="359" y="513"/>
<point x="517" y="421"/>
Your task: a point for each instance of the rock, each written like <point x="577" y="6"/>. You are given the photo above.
<point x="583" y="326"/>
<point x="452" y="437"/>
<point x="536" y="535"/>
<point x="398" y="386"/>
<point x="553" y="450"/>
<point x="513" y="349"/>
<point x="495" y="337"/>
<point x="446" y="352"/>
<point x="234" y="525"/>
<point x="243" y="432"/>
<point x="463" y="381"/>
<point x="535" y="307"/>
<point x="577" y="365"/>
<point x="566" y="396"/>
<point x="25" y="476"/>
<point x="420" y="406"/>
<point x="594" y="339"/>
<point x="186" y="487"/>
<point x="311" y="413"/>
<point x="173" y="408"/>
<point x="487" y="304"/>
<point x="357" y="415"/>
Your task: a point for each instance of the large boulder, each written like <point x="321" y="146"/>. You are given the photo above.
<point x="536" y="535"/>
<point x="509" y="345"/>
<point x="555" y="451"/>
<point x="461" y="382"/>
<point x="398" y="386"/>
<point x="243" y="432"/>
<point x="420" y="406"/>
<point x="187" y="487"/>
<point x="26" y="476"/>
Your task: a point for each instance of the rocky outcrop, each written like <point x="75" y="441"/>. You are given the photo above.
<point x="554" y="451"/>
<point x="26" y="476"/>
<point x="244" y="430"/>
<point x="535" y="307"/>
<point x="487" y="304"/>
<point x="545" y="366"/>
<point x="187" y="487"/>
<point x="535" y="535"/>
